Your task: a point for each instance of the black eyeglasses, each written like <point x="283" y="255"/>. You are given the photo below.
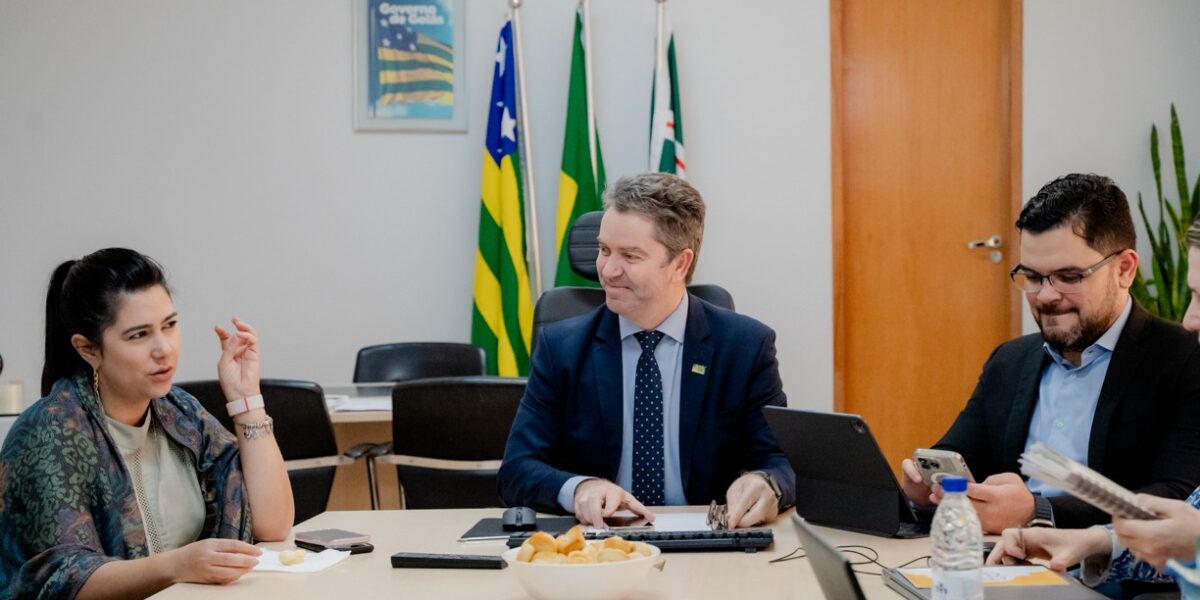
<point x="1065" y="282"/>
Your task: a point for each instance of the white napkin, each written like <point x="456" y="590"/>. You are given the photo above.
<point x="313" y="561"/>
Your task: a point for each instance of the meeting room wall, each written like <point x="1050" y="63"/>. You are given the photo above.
<point x="1097" y="75"/>
<point x="216" y="136"/>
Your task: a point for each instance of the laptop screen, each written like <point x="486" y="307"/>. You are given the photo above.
<point x="833" y="570"/>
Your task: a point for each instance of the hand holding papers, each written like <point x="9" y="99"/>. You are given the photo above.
<point x="1047" y="464"/>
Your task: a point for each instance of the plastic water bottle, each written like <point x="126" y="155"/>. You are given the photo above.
<point x="957" y="557"/>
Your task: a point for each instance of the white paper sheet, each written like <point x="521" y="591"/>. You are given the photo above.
<point x="363" y="404"/>
<point x="333" y="401"/>
<point x="671" y="522"/>
<point x="681" y="522"/>
<point x="313" y="561"/>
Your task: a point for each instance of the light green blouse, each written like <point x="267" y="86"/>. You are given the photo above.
<point x="164" y="480"/>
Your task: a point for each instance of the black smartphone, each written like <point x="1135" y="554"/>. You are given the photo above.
<point x="359" y="548"/>
<point x="626" y="524"/>
<point x="626" y="521"/>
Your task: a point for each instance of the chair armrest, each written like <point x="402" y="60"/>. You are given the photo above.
<point x="380" y="450"/>
<point x="359" y="450"/>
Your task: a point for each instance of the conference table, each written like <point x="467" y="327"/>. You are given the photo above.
<point x="359" y="402"/>
<point x="699" y="575"/>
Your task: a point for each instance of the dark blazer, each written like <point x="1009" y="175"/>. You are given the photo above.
<point x="570" y="420"/>
<point x="1145" y="432"/>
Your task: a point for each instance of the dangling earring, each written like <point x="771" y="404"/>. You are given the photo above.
<point x="96" y="383"/>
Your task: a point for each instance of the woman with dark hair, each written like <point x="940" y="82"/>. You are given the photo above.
<point x="1128" y="549"/>
<point x="117" y="484"/>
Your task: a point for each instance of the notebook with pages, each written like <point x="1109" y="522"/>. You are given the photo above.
<point x="1047" y="464"/>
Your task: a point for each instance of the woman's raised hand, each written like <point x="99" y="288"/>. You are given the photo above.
<point x="237" y="369"/>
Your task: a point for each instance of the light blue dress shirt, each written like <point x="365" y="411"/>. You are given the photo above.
<point x="669" y="354"/>
<point x="1067" y="398"/>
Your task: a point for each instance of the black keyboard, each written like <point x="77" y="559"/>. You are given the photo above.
<point x="749" y="540"/>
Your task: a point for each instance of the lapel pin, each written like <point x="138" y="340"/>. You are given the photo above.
<point x="699" y="369"/>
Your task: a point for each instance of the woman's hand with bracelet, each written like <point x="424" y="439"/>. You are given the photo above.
<point x="267" y="484"/>
<point x="238" y="367"/>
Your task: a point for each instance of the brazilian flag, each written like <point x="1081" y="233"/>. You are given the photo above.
<point x="581" y="182"/>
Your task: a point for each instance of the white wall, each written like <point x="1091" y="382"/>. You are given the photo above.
<point x="216" y="136"/>
<point x="1098" y="73"/>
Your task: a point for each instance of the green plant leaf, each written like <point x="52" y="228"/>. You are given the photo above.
<point x="1177" y="155"/>
<point x="1164" y="310"/>
<point x="1178" y="229"/>
<point x="1155" y="162"/>
<point x="1163" y="253"/>
<point x="1149" y="230"/>
<point x="1166" y="292"/>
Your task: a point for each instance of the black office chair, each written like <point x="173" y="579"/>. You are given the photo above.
<point x="303" y="432"/>
<point x="406" y="361"/>
<point x="418" y="360"/>
<point x="565" y="302"/>
<point x="448" y="437"/>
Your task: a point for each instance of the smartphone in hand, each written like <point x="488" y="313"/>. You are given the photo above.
<point x="936" y="464"/>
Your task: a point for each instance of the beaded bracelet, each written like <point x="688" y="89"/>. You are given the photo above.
<point x="252" y="431"/>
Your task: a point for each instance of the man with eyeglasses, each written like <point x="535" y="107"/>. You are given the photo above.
<point x="1104" y="382"/>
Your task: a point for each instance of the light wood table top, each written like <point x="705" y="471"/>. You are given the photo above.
<point x="361" y="416"/>
<point x="716" y="575"/>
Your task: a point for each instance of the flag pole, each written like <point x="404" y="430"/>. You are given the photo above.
<point x="660" y="49"/>
<point x="587" y="77"/>
<point x="660" y="55"/>
<point x="531" y="228"/>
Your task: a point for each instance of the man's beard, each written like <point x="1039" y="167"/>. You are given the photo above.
<point x="1084" y="333"/>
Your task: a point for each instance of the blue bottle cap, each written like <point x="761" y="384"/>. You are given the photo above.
<point x="954" y="483"/>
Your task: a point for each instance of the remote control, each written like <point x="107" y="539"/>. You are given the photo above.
<point x="418" y="560"/>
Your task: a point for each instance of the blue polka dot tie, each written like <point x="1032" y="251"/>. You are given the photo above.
<point x="648" y="469"/>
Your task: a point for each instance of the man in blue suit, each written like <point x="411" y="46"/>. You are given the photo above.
<point x="656" y="397"/>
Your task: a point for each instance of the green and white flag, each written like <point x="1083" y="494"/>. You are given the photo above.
<point x="666" y="127"/>
<point x="581" y="182"/>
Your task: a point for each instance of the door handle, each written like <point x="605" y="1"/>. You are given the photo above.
<point x="992" y="242"/>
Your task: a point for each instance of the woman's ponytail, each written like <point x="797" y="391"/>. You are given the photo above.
<point x="61" y="357"/>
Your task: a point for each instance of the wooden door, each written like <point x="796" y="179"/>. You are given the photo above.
<point x="926" y="157"/>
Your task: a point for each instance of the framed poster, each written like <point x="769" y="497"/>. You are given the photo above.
<point x="409" y="65"/>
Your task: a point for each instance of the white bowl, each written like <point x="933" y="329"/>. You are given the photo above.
<point x="600" y="581"/>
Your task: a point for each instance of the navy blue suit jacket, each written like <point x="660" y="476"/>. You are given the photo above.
<point x="570" y="419"/>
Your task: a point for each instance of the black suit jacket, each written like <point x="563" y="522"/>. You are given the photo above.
<point x="1145" y="432"/>
<point x="570" y="419"/>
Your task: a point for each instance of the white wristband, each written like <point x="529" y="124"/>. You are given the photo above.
<point x="247" y="404"/>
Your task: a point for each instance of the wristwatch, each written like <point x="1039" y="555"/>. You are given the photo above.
<point x="1043" y="512"/>
<point x="771" y="482"/>
<point x="246" y="404"/>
